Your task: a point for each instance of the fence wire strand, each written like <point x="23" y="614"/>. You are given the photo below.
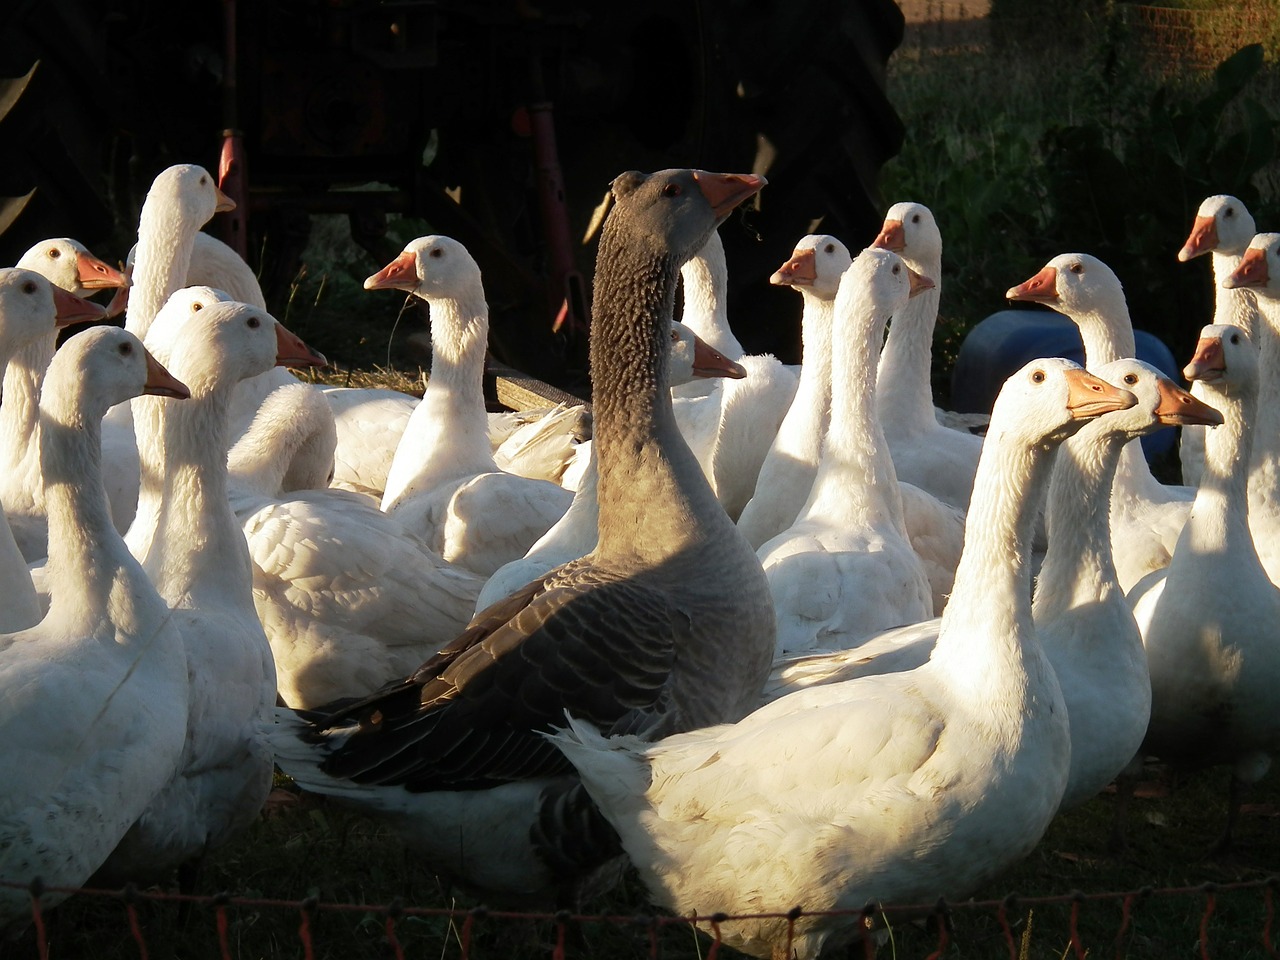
<point x="872" y="919"/>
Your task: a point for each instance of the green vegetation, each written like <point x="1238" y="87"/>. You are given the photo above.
<point x="1099" y="138"/>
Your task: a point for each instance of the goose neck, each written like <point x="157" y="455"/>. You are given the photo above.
<point x="161" y="261"/>
<point x="1219" y="520"/>
<point x="1264" y="461"/>
<point x="90" y="573"/>
<point x="654" y="498"/>
<point x="20" y="416"/>
<point x="195" y="538"/>
<point x="904" y="392"/>
<point x="991" y="594"/>
<point x="805" y="424"/>
<point x="856" y="483"/>
<point x="1079" y="567"/>
<point x="1237" y="305"/>
<point x="1107" y="334"/>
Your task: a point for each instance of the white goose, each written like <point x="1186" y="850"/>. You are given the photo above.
<point x="95" y="709"/>
<point x="291" y="444"/>
<point x="31" y="309"/>
<point x="1223" y="228"/>
<point x="936" y="530"/>
<point x="729" y="425"/>
<point x="1258" y="273"/>
<point x="1211" y="621"/>
<point x="664" y="626"/>
<point x="1146" y="515"/>
<point x="347" y="595"/>
<point x="846" y="568"/>
<point x="575" y="534"/>
<point x="181" y="199"/>
<point x="69" y="266"/>
<point x="935" y="458"/>
<point x="191" y="546"/>
<point x="786" y="475"/>
<point x="914" y="785"/>
<point x="1080" y="613"/>
<point x="443" y="483"/>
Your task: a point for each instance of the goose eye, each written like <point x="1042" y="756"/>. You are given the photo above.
<point x="1131" y="378"/>
<point x="197" y="306"/>
<point x="675" y="337"/>
<point x="1077" y="268"/>
<point x="1037" y="376"/>
<point x="254" y="323"/>
<point x="29" y="287"/>
<point x="1229" y="212"/>
<point x="203" y="181"/>
<point x="125" y="349"/>
<point x="829" y="248"/>
<point x="672" y="190"/>
<point x="54" y="253"/>
<point x="1235" y="338"/>
<point x="436" y="253"/>
<point x="916" y="218"/>
<point x="897" y="269"/>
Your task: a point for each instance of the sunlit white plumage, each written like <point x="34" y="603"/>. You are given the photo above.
<point x="846" y="568"/>
<point x="913" y="786"/>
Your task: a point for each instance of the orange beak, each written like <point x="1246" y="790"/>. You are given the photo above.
<point x="1208" y="364"/>
<point x="1091" y="396"/>
<point x="1204" y="238"/>
<point x="724" y="191"/>
<point x="162" y="383"/>
<point x="1179" y="408"/>
<point x="710" y="362"/>
<point x="1042" y="288"/>
<point x="891" y="237"/>
<point x="800" y="271"/>
<point x="72" y="309"/>
<point x="291" y="351"/>
<point x="400" y="274"/>
<point x="1251" y="271"/>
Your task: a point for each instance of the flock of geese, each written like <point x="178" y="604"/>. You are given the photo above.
<point x="774" y="636"/>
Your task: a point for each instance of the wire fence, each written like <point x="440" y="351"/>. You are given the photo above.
<point x="214" y="917"/>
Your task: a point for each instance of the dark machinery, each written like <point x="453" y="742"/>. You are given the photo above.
<point x="499" y="123"/>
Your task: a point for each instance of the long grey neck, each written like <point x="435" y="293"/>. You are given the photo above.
<point x="654" y="497"/>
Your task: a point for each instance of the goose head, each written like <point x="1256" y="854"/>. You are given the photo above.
<point x="31" y="306"/>
<point x="817" y="264"/>
<point x="100" y="367"/>
<point x="674" y="212"/>
<point x="1074" y="283"/>
<point x="68" y="264"/>
<point x="228" y="341"/>
<point x="911" y="231"/>
<point x="1051" y="398"/>
<point x="1222" y="224"/>
<point x="1161" y="402"/>
<point x="188" y="191"/>
<point x="166" y="331"/>
<point x="881" y="281"/>
<point x="432" y="267"/>
<point x="1259" y="268"/>
<point x="1224" y="359"/>
<point x="693" y="358"/>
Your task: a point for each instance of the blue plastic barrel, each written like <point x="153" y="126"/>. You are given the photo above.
<point x="1008" y="339"/>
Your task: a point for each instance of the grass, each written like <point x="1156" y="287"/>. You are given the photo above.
<point x="306" y="847"/>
